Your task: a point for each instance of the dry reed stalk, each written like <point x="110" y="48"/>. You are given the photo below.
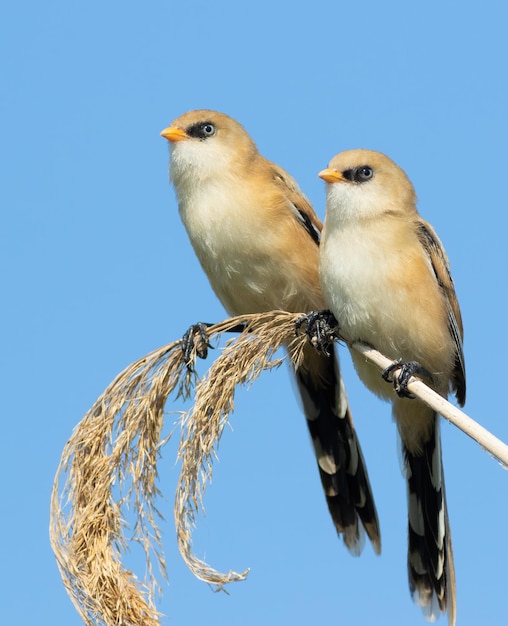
<point x="109" y="466"/>
<point x="240" y="363"/>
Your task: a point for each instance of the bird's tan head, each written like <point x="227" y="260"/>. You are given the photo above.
<point x="204" y="143"/>
<point x="364" y="183"/>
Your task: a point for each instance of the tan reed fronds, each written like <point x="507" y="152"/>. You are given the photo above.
<point x="109" y="468"/>
<point x="240" y="363"/>
<point x="109" y="465"/>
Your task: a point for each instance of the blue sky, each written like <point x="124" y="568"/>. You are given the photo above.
<point x="97" y="271"/>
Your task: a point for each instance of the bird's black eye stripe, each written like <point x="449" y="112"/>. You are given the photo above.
<point x="201" y="130"/>
<point x="359" y="174"/>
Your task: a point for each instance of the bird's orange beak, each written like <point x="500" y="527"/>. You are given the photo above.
<point x="172" y="133"/>
<point x="331" y="176"/>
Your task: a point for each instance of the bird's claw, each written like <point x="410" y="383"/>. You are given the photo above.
<point x="195" y="340"/>
<point x="407" y="369"/>
<point x="321" y="328"/>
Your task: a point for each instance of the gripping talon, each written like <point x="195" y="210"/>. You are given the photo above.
<point x="196" y="337"/>
<point x="321" y="328"/>
<point x="408" y="369"/>
<point x="386" y="374"/>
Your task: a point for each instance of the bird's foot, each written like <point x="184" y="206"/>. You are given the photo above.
<point x="321" y="328"/>
<point x="407" y="369"/>
<point x="195" y="339"/>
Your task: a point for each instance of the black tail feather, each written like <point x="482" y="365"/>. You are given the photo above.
<point x="430" y="557"/>
<point x="341" y="464"/>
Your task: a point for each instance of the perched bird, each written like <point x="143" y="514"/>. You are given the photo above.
<point x="257" y="238"/>
<point x="386" y="278"/>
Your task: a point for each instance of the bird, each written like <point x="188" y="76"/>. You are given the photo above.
<point x="257" y="239"/>
<point x="386" y="278"/>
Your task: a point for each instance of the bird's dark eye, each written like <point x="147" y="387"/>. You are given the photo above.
<point x="208" y="130"/>
<point x="364" y="173"/>
<point x="359" y="174"/>
<point x="201" y="130"/>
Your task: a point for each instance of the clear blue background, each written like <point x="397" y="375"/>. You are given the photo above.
<point x="97" y="271"/>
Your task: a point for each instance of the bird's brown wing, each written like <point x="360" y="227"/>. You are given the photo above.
<point x="441" y="267"/>
<point x="301" y="207"/>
